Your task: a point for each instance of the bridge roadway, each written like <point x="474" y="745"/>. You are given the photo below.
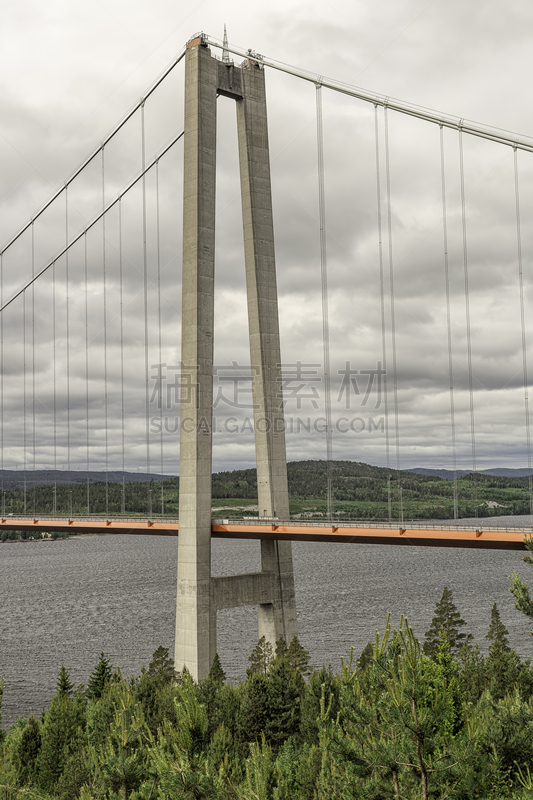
<point x="427" y="534"/>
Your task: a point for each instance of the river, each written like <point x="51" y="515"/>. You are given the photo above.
<point x="64" y="602"/>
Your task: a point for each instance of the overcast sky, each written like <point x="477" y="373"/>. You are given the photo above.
<point x="70" y="71"/>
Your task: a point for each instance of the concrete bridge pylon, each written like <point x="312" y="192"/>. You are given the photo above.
<point x="199" y="595"/>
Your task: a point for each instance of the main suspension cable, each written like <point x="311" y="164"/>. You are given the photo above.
<point x="523" y="330"/>
<point x="93" y="222"/>
<point x="429" y="115"/>
<point x="325" y="304"/>
<point x="448" y="323"/>
<point x="97" y="150"/>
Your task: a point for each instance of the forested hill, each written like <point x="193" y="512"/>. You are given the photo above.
<point x="363" y="491"/>
<point x="308" y="479"/>
<point x="359" y="491"/>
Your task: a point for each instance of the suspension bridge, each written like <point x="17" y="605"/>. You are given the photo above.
<point x="90" y="289"/>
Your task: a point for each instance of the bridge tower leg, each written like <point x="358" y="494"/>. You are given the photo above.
<point x="200" y="596"/>
<point x="278" y="618"/>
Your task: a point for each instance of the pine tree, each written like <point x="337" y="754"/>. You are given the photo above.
<point x="28" y="750"/>
<point x="448" y="619"/>
<point x="64" y="685"/>
<point x="179" y="758"/>
<point x="498" y="633"/>
<point x="281" y="647"/>
<point x="61" y="735"/>
<point x="323" y="687"/>
<point x="519" y="589"/>
<point x="366" y="656"/>
<point x="260" y="658"/>
<point x="253" y="711"/>
<point x="216" y="673"/>
<point x="161" y="667"/>
<point x="98" y="679"/>
<point x="285" y="688"/>
<point x="208" y="694"/>
<point x="298" y="657"/>
<point x="121" y="759"/>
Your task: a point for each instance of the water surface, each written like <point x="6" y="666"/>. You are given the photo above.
<point x="63" y="602"/>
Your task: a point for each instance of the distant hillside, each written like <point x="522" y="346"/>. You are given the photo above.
<point x="359" y="491"/>
<point x="15" y="478"/>
<point x="448" y="474"/>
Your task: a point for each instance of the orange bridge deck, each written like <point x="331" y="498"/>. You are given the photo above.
<point x="410" y="533"/>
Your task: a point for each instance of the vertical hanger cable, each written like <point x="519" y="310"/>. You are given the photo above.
<point x="382" y="306"/>
<point x="467" y="314"/>
<point x="104" y="279"/>
<point x="24" y="442"/>
<point x="55" y="382"/>
<point x="325" y="303"/>
<point x="2" y="385"/>
<point x="523" y="329"/>
<point x="121" y="299"/>
<point x="158" y="244"/>
<point x="87" y="443"/>
<point x="448" y="323"/>
<point x="68" y="352"/>
<point x="393" y="314"/>
<point x="145" y="288"/>
<point x="33" y="365"/>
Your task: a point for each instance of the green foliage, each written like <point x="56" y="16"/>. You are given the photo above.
<point x="61" y="733"/>
<point x="519" y="589"/>
<point x="258" y="782"/>
<point x="64" y="686"/>
<point x="179" y="758"/>
<point x="447" y="619"/>
<point x="100" y="676"/>
<point x="154" y="689"/>
<point x="497" y="633"/>
<point x="323" y="687"/>
<point x="284" y="690"/>
<point x="27" y="751"/>
<point x="260" y="657"/>
<point x="161" y="667"/>
<point x="298" y="657"/>
<point x="209" y="694"/>
<point x="360" y="492"/>
<point x="366" y="656"/>
<point x="397" y="719"/>
<point x="253" y="710"/>
<point x="121" y="759"/>
<point x="281" y="647"/>
<point x="395" y="724"/>
<point x="216" y="674"/>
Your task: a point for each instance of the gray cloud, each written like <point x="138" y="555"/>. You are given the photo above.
<point x="68" y="74"/>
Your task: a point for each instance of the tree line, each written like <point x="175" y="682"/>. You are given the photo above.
<point x="359" y="491"/>
<point x="408" y="719"/>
